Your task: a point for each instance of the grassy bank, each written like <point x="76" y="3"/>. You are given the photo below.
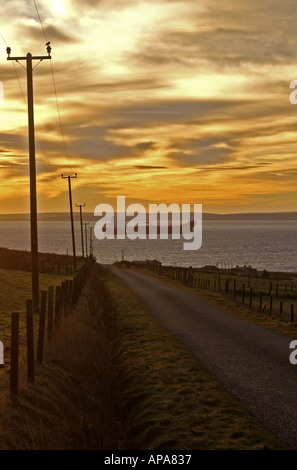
<point x="114" y="379"/>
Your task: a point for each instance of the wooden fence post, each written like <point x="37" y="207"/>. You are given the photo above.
<point x="70" y="294"/>
<point x="66" y="306"/>
<point x="243" y="292"/>
<point x="260" y="303"/>
<point x="74" y="291"/>
<point x="50" y="313"/>
<point x="40" y="344"/>
<point x="251" y="297"/>
<point x="270" y="305"/>
<point x="57" y="306"/>
<point x="14" y="354"/>
<point x="226" y="286"/>
<point x="62" y="298"/>
<point x="30" y="341"/>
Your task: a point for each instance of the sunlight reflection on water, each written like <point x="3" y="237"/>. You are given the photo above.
<point x="267" y="244"/>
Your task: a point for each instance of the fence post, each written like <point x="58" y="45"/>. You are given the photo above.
<point x="66" y="301"/>
<point x="50" y="313"/>
<point x="70" y="294"/>
<point x="30" y="341"/>
<point x="251" y="297"/>
<point x="226" y="286"/>
<point x="41" y="330"/>
<point x="62" y="298"/>
<point x="270" y="305"/>
<point x="260" y="303"/>
<point x="57" y="306"/>
<point x="243" y="292"/>
<point x="74" y="291"/>
<point x="14" y="354"/>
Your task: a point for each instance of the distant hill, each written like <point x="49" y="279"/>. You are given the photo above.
<point x="253" y="216"/>
<point x="89" y="216"/>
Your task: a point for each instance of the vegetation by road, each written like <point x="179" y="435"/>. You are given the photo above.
<point x="114" y="379"/>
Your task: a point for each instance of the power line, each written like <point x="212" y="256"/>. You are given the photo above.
<point x="3" y="39"/>
<point x="43" y="30"/>
<point x="26" y="104"/>
<point x="56" y="98"/>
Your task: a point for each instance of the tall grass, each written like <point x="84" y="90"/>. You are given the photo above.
<point x="74" y="402"/>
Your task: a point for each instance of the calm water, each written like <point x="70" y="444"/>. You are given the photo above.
<point x="270" y="245"/>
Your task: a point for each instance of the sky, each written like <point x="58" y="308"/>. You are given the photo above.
<point x="162" y="101"/>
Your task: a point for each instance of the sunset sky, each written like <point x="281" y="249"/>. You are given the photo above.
<point x="160" y="100"/>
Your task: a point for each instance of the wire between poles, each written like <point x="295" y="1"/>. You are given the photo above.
<point x="57" y="101"/>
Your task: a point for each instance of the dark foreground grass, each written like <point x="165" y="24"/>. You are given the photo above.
<point x="115" y="380"/>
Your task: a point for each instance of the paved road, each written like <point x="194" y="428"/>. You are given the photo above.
<point x="251" y="361"/>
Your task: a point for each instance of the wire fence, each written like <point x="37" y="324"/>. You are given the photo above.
<point x="276" y="297"/>
<point x="39" y="328"/>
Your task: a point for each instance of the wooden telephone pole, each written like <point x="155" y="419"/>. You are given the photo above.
<point x="86" y="236"/>
<point x="81" y="228"/>
<point x="91" y="241"/>
<point x="33" y="200"/>
<point x="71" y="215"/>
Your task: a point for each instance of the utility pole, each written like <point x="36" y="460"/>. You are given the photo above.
<point x="33" y="199"/>
<point x="81" y="227"/>
<point x="86" y="236"/>
<point x="71" y="215"/>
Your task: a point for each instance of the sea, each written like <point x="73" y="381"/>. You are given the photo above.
<point x="261" y="244"/>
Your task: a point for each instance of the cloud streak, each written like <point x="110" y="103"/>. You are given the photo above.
<point x="175" y="100"/>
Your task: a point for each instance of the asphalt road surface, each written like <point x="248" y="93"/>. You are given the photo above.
<point x="252" y="362"/>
